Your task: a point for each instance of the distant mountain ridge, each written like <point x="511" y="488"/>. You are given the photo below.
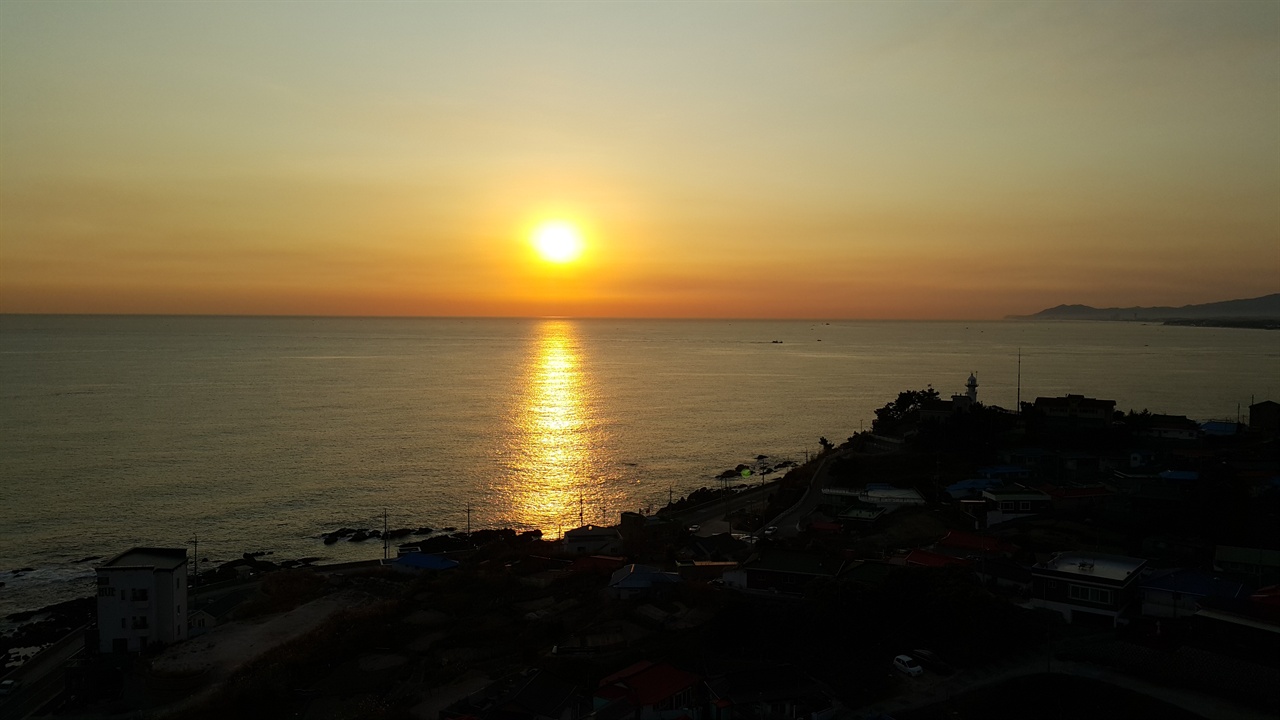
<point x="1265" y="307"/>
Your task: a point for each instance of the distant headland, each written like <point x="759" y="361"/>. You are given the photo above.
<point x="1261" y="312"/>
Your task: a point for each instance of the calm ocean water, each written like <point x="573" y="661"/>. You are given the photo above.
<point x="263" y="433"/>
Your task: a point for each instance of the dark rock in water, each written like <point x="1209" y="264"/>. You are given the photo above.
<point x="23" y="570"/>
<point x="86" y="559"/>
<point x="375" y="533"/>
<point x="360" y="536"/>
<point x="399" y="533"/>
<point x="308" y="560"/>
<point x="423" y="531"/>
<point x="449" y="529"/>
<point x="728" y="474"/>
<point x="441" y="543"/>
<point x="761" y="457"/>
<point x="331" y="538"/>
<point x="483" y="537"/>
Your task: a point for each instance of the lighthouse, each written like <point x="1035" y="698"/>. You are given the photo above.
<point x="971" y="389"/>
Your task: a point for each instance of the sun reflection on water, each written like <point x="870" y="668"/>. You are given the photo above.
<point x="556" y="478"/>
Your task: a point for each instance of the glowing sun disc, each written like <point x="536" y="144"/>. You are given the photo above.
<point x="558" y="242"/>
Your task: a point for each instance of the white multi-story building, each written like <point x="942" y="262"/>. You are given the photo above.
<point x="142" y="599"/>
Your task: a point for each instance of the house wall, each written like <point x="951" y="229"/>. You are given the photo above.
<point x="1069" y="595"/>
<point x="141" y="607"/>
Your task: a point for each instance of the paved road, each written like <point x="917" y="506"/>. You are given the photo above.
<point x="711" y="517"/>
<point x="929" y="689"/>
<point x="42" y="678"/>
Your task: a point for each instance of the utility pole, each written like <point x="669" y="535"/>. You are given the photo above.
<point x="386" y="541"/>
<point x="468" y="519"/>
<point x="196" y="560"/>
<point x="1018" y="406"/>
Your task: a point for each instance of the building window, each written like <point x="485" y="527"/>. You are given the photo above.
<point x="1024" y="505"/>
<point x="106" y="592"/>
<point x="122" y="623"/>
<point x="139" y="622"/>
<point x="1090" y="594"/>
<point x="138" y="594"/>
<point x="1006" y="506"/>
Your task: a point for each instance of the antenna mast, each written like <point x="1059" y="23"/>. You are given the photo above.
<point x="1019" y="407"/>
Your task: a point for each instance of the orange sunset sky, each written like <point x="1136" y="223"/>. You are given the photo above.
<point x="818" y="160"/>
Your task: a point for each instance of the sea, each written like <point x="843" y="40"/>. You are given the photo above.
<point x="261" y="434"/>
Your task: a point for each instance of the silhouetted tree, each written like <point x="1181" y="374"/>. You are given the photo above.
<point x="827" y="445"/>
<point x="907" y="407"/>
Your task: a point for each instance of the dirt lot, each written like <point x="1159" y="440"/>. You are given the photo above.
<point x="226" y="648"/>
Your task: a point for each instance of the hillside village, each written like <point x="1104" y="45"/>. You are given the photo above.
<point x="953" y="547"/>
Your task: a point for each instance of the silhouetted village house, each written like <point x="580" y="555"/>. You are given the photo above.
<point x="142" y="599"/>
<point x="904" y="532"/>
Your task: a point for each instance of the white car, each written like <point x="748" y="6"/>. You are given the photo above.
<point x="771" y="531"/>
<point x="907" y="664"/>
<point x="694" y="528"/>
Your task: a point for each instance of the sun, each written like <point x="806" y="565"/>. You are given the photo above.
<point x="557" y="241"/>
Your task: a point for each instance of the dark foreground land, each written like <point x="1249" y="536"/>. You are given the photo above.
<point x="783" y="601"/>
<point x="1050" y="697"/>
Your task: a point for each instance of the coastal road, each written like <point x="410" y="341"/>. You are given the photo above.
<point x="711" y="517"/>
<point x="42" y="678"/>
<point x="930" y="690"/>
<point x="788" y="523"/>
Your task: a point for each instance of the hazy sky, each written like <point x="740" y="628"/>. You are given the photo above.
<point x="856" y="160"/>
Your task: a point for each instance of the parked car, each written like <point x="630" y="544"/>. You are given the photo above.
<point x="694" y="528"/>
<point x="907" y="664"/>
<point x="8" y="686"/>
<point x="771" y="531"/>
<point x="930" y="660"/>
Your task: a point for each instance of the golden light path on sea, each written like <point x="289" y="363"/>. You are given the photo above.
<point x="554" y="481"/>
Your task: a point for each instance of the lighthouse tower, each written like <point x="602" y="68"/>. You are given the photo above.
<point x="971" y="389"/>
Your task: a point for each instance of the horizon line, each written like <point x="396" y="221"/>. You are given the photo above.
<point x="1007" y="318"/>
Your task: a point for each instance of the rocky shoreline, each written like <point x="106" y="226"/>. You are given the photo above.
<point x="37" y="629"/>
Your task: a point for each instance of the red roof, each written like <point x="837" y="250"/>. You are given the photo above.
<point x="924" y="558"/>
<point x="968" y="541"/>
<point x="645" y="683"/>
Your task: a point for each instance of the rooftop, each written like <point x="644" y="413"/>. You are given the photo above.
<point x="646" y="683"/>
<point x="1191" y="582"/>
<point x="1096" y="565"/>
<point x="145" y="557"/>
<point x="1015" y="493"/>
